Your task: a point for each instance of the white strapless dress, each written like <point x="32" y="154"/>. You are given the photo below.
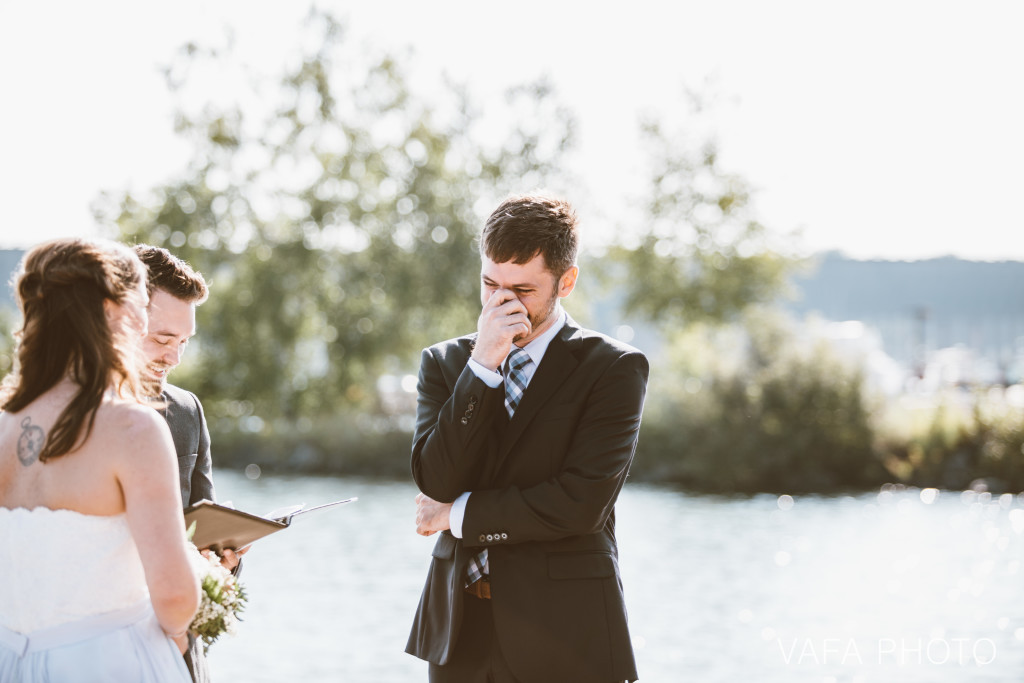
<point x="74" y="605"/>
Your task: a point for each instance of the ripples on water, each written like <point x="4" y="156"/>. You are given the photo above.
<point x="902" y="585"/>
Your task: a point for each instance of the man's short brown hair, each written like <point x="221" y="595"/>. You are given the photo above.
<point x="527" y="225"/>
<point x="171" y="274"/>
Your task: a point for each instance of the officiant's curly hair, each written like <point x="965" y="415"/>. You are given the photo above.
<point x="61" y="287"/>
<point x="171" y="274"/>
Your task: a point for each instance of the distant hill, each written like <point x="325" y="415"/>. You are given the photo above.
<point x="946" y="286"/>
<point x="932" y="304"/>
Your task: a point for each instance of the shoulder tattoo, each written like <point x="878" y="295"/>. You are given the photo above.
<point x="30" y="443"/>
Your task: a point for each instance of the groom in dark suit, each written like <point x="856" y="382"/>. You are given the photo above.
<point x="524" y="436"/>
<point x="175" y="290"/>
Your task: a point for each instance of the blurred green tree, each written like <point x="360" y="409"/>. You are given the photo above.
<point x="336" y="229"/>
<point x="758" y="407"/>
<point x="8" y="320"/>
<point x="699" y="254"/>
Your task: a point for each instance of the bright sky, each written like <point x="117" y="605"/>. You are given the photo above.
<point x="885" y="129"/>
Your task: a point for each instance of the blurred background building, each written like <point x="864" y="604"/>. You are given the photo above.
<point x="944" y="321"/>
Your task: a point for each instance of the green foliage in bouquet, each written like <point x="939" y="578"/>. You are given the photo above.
<point x="222" y="597"/>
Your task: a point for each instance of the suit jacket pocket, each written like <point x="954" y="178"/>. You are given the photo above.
<point x="444" y="549"/>
<point x="591" y="565"/>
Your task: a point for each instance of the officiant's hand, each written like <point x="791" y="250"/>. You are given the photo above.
<point x="431" y="516"/>
<point x="229" y="558"/>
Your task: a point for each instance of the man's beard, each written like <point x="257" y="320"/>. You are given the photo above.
<point x="536" y="320"/>
<point x="155" y="377"/>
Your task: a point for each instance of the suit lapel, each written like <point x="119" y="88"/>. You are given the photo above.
<point x="556" y="366"/>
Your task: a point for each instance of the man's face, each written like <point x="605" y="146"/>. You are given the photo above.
<point x="172" y="322"/>
<point x="536" y="287"/>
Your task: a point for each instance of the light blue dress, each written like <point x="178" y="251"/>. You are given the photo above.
<point x="74" y="605"/>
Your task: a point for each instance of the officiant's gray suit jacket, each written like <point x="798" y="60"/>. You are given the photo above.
<point x="184" y="415"/>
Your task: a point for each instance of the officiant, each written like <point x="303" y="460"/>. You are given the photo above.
<point x="175" y="290"/>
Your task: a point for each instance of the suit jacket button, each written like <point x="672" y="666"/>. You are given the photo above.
<point x="504" y="536"/>
<point x="472" y="400"/>
<point x="464" y="420"/>
<point x="482" y="538"/>
<point x="490" y="537"/>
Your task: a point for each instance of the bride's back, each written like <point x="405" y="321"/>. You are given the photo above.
<point x="87" y="479"/>
<point x="72" y="404"/>
<point x="77" y="442"/>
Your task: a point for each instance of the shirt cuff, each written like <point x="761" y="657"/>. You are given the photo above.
<point x="489" y="377"/>
<point x="456" y="515"/>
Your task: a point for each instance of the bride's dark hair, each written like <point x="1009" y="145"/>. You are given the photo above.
<point x="61" y="287"/>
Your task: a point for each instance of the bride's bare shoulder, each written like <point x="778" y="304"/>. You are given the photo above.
<point x="127" y="420"/>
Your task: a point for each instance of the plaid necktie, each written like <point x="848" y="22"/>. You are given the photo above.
<point x="515" y="385"/>
<point x="515" y="379"/>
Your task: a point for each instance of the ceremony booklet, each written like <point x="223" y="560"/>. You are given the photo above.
<point x="220" y="526"/>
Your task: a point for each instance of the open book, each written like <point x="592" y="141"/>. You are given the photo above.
<point x="219" y="526"/>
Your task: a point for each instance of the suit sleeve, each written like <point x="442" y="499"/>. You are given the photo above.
<point x="202" y="475"/>
<point x="452" y="434"/>
<point x="580" y="497"/>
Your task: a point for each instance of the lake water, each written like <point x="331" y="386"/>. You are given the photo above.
<point x="895" y="586"/>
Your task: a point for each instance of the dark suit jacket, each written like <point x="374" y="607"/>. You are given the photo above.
<point x="543" y="488"/>
<point x="184" y="415"/>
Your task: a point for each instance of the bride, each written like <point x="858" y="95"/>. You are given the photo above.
<point x="97" y="583"/>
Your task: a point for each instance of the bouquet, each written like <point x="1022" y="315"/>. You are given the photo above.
<point x="222" y="598"/>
